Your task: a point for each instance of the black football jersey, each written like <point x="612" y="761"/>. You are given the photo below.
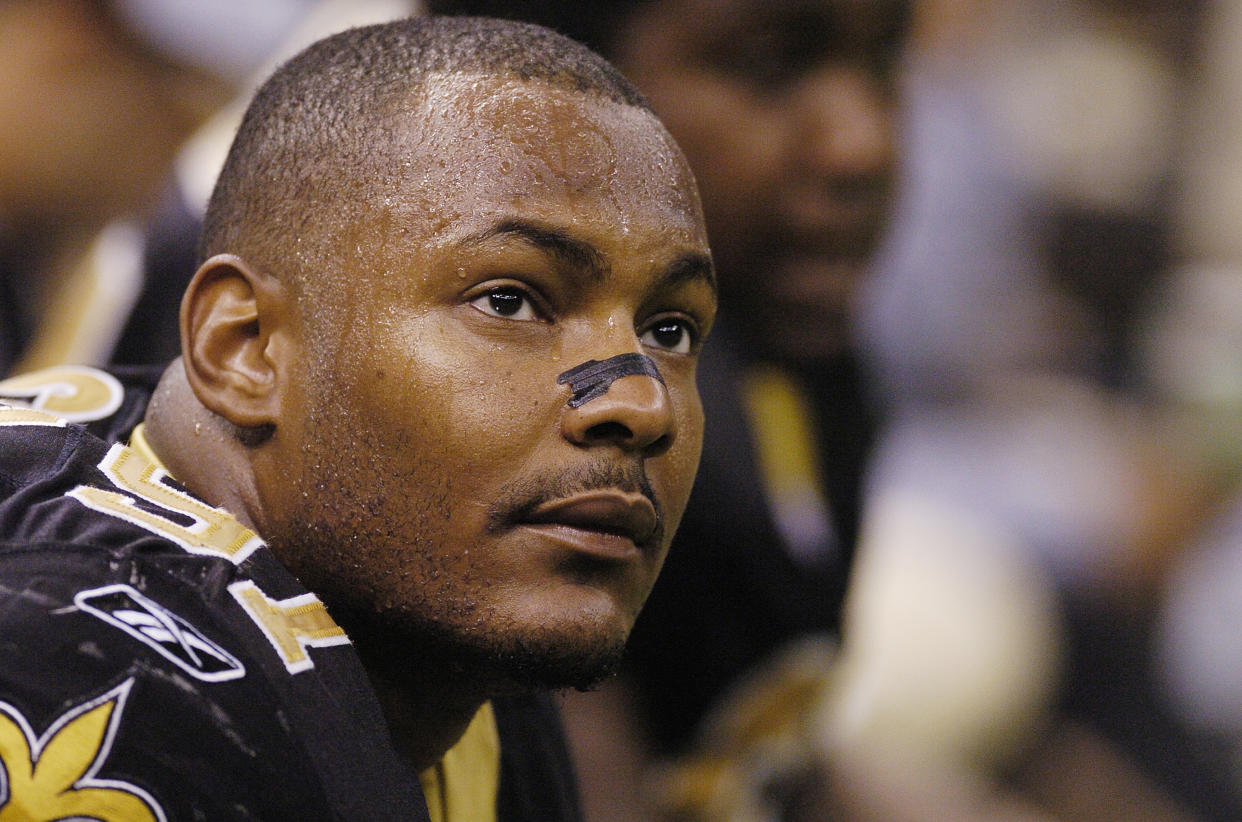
<point x="156" y="661"/>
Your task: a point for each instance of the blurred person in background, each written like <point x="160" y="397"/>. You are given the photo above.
<point x="91" y="115"/>
<point x="116" y="116"/>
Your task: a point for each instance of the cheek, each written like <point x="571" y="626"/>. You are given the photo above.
<point x="470" y="412"/>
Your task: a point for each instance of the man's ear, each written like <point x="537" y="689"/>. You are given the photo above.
<point x="233" y="326"/>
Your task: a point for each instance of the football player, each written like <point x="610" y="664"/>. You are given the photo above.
<point x="433" y="428"/>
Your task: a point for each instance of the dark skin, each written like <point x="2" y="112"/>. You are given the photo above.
<point x="433" y="486"/>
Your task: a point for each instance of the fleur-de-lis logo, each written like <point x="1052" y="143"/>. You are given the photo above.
<point x="53" y="777"/>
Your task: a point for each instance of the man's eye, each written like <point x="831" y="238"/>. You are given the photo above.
<point x="671" y="334"/>
<point x="506" y="301"/>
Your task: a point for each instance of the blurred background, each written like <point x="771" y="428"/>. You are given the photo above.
<point x="1006" y="577"/>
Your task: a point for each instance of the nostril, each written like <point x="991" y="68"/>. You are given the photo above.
<point x="660" y="445"/>
<point x="621" y="433"/>
<point x="610" y="430"/>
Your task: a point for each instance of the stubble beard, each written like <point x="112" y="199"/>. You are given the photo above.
<point x="347" y="545"/>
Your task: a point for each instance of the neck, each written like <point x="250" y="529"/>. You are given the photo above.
<point x="428" y="698"/>
<point x="199" y="450"/>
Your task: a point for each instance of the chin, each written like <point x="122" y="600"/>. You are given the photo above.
<point x="542" y="659"/>
<point x="531" y="666"/>
<point x="578" y="648"/>
<point x="510" y="653"/>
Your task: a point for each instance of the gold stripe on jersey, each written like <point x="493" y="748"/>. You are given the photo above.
<point x="781" y="421"/>
<point x="291" y="625"/>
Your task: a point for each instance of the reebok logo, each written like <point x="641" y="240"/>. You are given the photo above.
<point x="122" y="606"/>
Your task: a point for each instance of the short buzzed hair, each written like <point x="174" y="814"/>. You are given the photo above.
<point x="314" y="135"/>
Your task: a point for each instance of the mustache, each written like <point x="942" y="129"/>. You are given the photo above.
<point x="516" y="501"/>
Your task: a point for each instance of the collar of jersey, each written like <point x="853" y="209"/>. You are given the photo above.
<point x="138" y="442"/>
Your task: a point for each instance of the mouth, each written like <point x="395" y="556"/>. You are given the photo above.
<point x="610" y="524"/>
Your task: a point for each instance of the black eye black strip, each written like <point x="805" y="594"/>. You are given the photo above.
<point x="594" y="377"/>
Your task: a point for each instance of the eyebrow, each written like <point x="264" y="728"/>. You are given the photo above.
<point x="586" y="258"/>
<point x="690" y="267"/>
<point x="581" y="256"/>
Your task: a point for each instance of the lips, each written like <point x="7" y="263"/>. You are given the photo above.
<point x="608" y="513"/>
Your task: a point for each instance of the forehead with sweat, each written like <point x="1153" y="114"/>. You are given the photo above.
<point x="471" y="144"/>
<point x="323" y="129"/>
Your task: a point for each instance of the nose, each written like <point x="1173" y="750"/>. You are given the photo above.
<point x="845" y="125"/>
<point x="635" y="413"/>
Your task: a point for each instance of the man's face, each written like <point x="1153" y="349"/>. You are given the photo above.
<point x="784" y="109"/>
<point x="444" y="481"/>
